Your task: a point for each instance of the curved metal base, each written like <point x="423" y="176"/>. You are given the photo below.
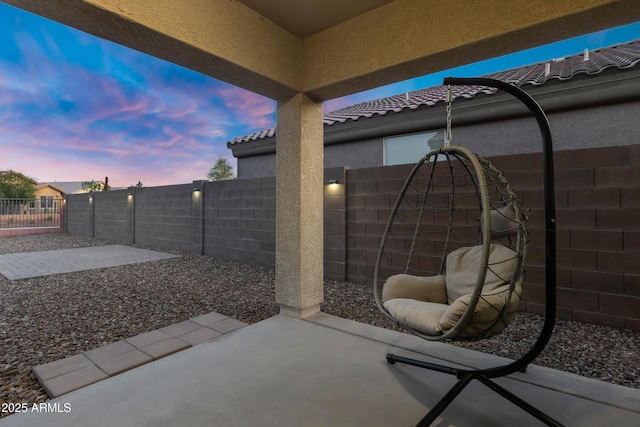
<point x="465" y="376"/>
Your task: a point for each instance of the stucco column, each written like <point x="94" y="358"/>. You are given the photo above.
<point x="299" y="199"/>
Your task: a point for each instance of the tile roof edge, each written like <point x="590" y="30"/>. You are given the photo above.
<point x="350" y="115"/>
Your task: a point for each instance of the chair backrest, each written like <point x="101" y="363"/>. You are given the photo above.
<point x="463" y="265"/>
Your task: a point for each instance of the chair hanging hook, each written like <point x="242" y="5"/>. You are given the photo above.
<point x="449" y="101"/>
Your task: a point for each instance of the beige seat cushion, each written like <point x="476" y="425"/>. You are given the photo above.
<point x="463" y="265"/>
<point x="484" y="320"/>
<point x="431" y="288"/>
<point x="421" y="302"/>
<point x="419" y="315"/>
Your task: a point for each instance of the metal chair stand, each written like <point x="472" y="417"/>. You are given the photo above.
<point x="485" y="376"/>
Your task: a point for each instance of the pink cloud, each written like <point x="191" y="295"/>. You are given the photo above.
<point x="249" y="107"/>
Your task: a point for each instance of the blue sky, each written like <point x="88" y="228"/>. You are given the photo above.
<point x="74" y="107"/>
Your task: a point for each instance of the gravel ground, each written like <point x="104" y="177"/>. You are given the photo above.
<point x="48" y="318"/>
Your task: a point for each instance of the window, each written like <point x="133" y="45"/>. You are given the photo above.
<point x="46" y="202"/>
<point x="403" y="149"/>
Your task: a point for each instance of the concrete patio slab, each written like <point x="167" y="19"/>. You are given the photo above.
<point x="325" y="371"/>
<point x="36" y="264"/>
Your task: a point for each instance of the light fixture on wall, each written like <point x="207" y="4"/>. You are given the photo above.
<point x="332" y="182"/>
<point x="196" y="189"/>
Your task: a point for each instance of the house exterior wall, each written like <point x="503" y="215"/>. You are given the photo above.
<point x="257" y="166"/>
<point x="358" y="154"/>
<point x="603" y="126"/>
<point x="598" y="126"/>
<point x="48" y="192"/>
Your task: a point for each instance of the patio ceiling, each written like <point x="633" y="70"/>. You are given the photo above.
<point x="330" y="48"/>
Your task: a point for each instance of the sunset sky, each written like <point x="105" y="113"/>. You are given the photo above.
<point x="74" y="107"/>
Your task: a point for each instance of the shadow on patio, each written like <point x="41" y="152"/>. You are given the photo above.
<point x="325" y="371"/>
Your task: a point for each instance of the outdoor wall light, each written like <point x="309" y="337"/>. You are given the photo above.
<point x="332" y="182"/>
<point x="196" y="190"/>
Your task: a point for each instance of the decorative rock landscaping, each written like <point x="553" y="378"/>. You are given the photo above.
<point x="47" y="319"/>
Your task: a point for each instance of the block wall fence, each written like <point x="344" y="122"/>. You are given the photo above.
<point x="597" y="211"/>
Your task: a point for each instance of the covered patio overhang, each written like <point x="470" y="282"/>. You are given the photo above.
<point x="319" y="360"/>
<point x="303" y="52"/>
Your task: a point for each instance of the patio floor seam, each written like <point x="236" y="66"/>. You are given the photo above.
<point x="88" y="367"/>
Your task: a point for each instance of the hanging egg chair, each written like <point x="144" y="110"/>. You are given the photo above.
<point x="451" y="262"/>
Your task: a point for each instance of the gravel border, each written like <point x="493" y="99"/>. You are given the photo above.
<point x="48" y="318"/>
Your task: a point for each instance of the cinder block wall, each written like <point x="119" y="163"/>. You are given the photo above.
<point x="163" y="216"/>
<point x="78" y="215"/>
<point x="112" y="213"/>
<point x="598" y="225"/>
<point x="240" y="220"/>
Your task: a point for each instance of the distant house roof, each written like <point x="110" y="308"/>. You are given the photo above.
<point x="48" y="184"/>
<point x="67" y="187"/>
<point x="620" y="56"/>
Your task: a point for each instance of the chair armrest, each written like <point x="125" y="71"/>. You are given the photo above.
<point x="426" y="289"/>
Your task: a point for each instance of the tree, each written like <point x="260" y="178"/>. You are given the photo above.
<point x="92" y="186"/>
<point x="14" y="185"/>
<point x="220" y="171"/>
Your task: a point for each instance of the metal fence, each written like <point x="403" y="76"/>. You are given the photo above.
<point x="30" y="213"/>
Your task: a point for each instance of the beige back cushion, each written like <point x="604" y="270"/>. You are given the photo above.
<point x="502" y="222"/>
<point x="463" y="265"/>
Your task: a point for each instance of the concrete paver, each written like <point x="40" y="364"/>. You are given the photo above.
<point x="210" y="318"/>
<point x="200" y="335"/>
<point x="65" y="375"/>
<point x="165" y="347"/>
<point x="61" y="367"/>
<point x="74" y="380"/>
<point x="227" y="325"/>
<point x="107" y="351"/>
<point x="147" y="338"/>
<point x="121" y="362"/>
<point x="181" y="328"/>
